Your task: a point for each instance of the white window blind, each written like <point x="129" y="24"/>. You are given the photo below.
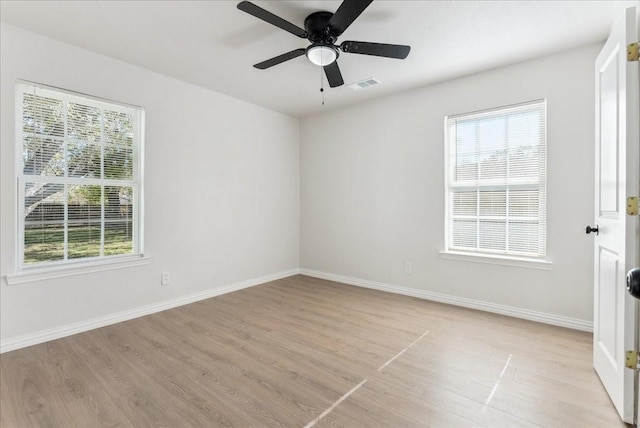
<point x="496" y="181"/>
<point x="79" y="177"/>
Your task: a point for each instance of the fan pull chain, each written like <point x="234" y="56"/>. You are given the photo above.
<point x="321" y="85"/>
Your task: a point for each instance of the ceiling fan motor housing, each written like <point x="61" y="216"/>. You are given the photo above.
<point x="317" y="27"/>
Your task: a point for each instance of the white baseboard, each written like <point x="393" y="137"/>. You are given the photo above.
<point x="79" y="327"/>
<point x="543" y="317"/>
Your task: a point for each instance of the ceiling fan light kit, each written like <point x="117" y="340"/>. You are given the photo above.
<point x="322" y="55"/>
<point x="322" y="29"/>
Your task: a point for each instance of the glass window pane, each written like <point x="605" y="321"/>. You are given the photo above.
<point x="84" y="239"/>
<point x="118" y="163"/>
<point x="463" y="233"/>
<point x="83" y="159"/>
<point x="118" y="238"/>
<point x="493" y="165"/>
<point x="466" y="137"/>
<point x="465" y="203"/>
<point x="43" y="200"/>
<point x="524" y="237"/>
<point x="84" y="217"/>
<point x="524" y="129"/>
<point x="466" y="167"/>
<point x="118" y="220"/>
<point x="524" y="203"/>
<point x="118" y="128"/>
<point x="466" y="160"/>
<point x="492" y="235"/>
<point x="43" y="242"/>
<point x="492" y="135"/>
<point x="83" y="123"/>
<point x="42" y="116"/>
<point x="524" y="162"/>
<point x="493" y="203"/>
<point x="43" y="222"/>
<point x="42" y="156"/>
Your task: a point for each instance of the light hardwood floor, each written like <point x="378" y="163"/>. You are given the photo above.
<point x="303" y="352"/>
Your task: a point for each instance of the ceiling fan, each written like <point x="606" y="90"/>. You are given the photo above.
<point x="322" y="29"/>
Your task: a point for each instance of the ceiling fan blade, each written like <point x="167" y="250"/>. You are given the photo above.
<point x="348" y="11"/>
<point x="376" y="49"/>
<point x="333" y="74"/>
<point x="280" y="59"/>
<point x="272" y="19"/>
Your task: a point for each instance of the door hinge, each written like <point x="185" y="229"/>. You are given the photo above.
<point x="633" y="360"/>
<point x="633" y="52"/>
<point x="632" y="205"/>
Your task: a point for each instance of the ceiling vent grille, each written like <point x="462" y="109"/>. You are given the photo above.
<point x="365" y="83"/>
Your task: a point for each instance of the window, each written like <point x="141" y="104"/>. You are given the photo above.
<point x="496" y="181"/>
<point x="79" y="177"/>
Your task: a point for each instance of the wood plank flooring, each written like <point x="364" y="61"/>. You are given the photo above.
<point x="304" y="352"/>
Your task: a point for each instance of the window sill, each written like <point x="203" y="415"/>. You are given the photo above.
<point x="33" y="275"/>
<point x="497" y="260"/>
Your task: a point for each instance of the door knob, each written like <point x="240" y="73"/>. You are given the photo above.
<point x="590" y="229"/>
<point x="633" y="282"/>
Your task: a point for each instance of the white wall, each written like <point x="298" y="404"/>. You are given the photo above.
<point x="372" y="189"/>
<point x="221" y="190"/>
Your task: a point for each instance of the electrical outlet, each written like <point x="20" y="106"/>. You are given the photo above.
<point x="408" y="267"/>
<point x="166" y="279"/>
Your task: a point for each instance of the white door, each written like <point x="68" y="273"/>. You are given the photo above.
<point x="616" y="244"/>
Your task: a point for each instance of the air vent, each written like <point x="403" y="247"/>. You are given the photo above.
<point x="365" y="83"/>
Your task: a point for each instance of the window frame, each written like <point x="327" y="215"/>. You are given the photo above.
<point x="71" y="266"/>
<point x="505" y="256"/>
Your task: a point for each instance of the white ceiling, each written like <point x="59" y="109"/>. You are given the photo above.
<point x="214" y="45"/>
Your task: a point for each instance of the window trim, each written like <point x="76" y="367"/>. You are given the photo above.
<point x="77" y="267"/>
<point x="56" y="269"/>
<point x="487" y="256"/>
<point x="497" y="259"/>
